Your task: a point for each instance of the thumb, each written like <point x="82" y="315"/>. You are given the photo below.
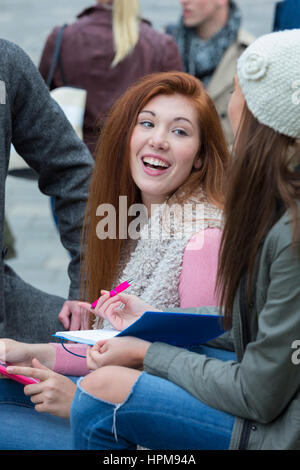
<point x="97" y="346"/>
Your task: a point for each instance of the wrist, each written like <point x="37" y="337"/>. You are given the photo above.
<point x="145" y="345"/>
<point x="45" y="353"/>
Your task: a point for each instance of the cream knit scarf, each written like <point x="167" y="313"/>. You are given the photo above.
<point x="154" y="261"/>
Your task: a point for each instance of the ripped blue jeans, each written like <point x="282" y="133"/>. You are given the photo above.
<point x="23" y="428"/>
<point x="157" y="414"/>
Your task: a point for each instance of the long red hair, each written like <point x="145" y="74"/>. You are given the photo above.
<point x="112" y="176"/>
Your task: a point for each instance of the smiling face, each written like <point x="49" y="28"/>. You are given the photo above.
<point x="164" y="147"/>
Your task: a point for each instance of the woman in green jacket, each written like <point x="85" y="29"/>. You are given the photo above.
<point x="186" y="399"/>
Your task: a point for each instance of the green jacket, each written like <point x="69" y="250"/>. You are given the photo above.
<point x="261" y="389"/>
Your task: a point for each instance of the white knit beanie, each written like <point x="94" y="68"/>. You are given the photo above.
<point x="269" y="75"/>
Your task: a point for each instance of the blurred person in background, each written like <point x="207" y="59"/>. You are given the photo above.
<point x="210" y="40"/>
<point x="287" y="15"/>
<point x="104" y="51"/>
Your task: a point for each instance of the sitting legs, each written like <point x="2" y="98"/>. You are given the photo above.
<point x="120" y="408"/>
<point x="110" y="383"/>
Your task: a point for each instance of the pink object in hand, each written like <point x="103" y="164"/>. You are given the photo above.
<point x="115" y="291"/>
<point x="18" y="378"/>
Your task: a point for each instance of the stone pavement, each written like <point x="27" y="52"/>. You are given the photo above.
<point x="41" y="260"/>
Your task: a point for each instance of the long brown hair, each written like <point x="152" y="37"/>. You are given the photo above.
<point x="261" y="185"/>
<point x="112" y="176"/>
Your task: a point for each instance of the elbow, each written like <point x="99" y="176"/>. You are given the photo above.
<point x="261" y="408"/>
<point x="269" y="415"/>
<point x="264" y="413"/>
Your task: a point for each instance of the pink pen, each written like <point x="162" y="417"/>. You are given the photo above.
<point x="18" y="378"/>
<point x="116" y="290"/>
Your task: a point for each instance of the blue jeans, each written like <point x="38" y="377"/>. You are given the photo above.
<point x="157" y="414"/>
<point x="23" y="428"/>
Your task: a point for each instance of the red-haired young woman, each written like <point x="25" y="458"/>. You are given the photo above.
<point x="162" y="153"/>
<point x="192" y="400"/>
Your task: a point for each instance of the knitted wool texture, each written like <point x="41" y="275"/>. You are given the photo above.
<point x="154" y="261"/>
<point x="269" y="75"/>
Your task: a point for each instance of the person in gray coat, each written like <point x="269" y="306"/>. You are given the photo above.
<point x="37" y="127"/>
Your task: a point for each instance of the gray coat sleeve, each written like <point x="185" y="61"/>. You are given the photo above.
<point x="262" y="385"/>
<point x="45" y="139"/>
<point x="31" y="315"/>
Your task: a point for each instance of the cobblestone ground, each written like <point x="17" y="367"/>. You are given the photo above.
<point x="41" y="260"/>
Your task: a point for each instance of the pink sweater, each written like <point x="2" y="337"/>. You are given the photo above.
<point x="196" y="287"/>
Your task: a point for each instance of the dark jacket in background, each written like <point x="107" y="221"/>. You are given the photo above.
<point x="287" y="15"/>
<point x="87" y="53"/>
<point x="33" y="122"/>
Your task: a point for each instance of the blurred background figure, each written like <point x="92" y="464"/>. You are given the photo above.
<point x="287" y="15"/>
<point x="104" y="51"/>
<point x="210" y="40"/>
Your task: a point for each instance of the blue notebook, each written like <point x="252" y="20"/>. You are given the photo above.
<point x="179" y="329"/>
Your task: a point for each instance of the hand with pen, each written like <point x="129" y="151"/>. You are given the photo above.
<point x="120" y="310"/>
<point x="54" y="392"/>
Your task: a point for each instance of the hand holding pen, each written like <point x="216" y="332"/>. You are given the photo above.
<point x="117" y="290"/>
<point x="74" y="315"/>
<point x="120" y="309"/>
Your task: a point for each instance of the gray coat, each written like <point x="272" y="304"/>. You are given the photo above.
<point x="42" y="135"/>
<point x="261" y="389"/>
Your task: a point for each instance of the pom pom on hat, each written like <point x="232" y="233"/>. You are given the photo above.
<point x="269" y="75"/>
